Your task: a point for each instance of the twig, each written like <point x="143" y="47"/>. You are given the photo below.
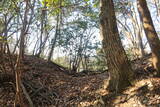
<point x="39" y="89"/>
<point x="27" y="95"/>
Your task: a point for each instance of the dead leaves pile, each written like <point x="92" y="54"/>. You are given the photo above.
<point x="48" y="84"/>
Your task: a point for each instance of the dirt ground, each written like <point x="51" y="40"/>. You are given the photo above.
<point x="50" y="85"/>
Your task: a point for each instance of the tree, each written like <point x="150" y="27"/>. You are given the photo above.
<point x="133" y="31"/>
<point x="150" y="32"/>
<point x="43" y="30"/>
<point x="18" y="97"/>
<point x="118" y="65"/>
<point x="53" y="41"/>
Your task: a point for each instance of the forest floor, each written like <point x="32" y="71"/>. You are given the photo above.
<point x="50" y="85"/>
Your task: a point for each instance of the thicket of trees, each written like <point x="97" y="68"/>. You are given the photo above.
<point x="67" y="32"/>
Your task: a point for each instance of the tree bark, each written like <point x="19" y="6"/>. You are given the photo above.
<point x="43" y="30"/>
<point x="24" y="31"/>
<point x="53" y="41"/>
<point x="138" y="32"/>
<point x="119" y="67"/>
<point x="140" y="42"/>
<point x="18" y="68"/>
<point x="150" y="32"/>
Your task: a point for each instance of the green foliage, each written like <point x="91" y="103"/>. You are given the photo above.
<point x="63" y="61"/>
<point x="99" y="62"/>
<point x="122" y="6"/>
<point x="9" y="6"/>
<point x="1" y="38"/>
<point x="55" y="6"/>
<point x="55" y="3"/>
<point x="50" y="3"/>
<point x="86" y="0"/>
<point x="1" y="25"/>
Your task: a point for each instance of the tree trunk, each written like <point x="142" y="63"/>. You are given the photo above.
<point x="24" y="31"/>
<point x="140" y="42"/>
<point x="18" y="97"/>
<point x="150" y="32"/>
<point x="138" y="32"/>
<point x="53" y="41"/>
<point x="43" y="30"/>
<point x="120" y="70"/>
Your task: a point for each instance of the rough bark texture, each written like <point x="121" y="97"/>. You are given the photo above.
<point x="118" y="64"/>
<point x="150" y="32"/>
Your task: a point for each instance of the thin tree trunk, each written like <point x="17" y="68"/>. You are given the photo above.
<point x="43" y="15"/>
<point x="118" y="64"/>
<point x="53" y="42"/>
<point x="23" y="31"/>
<point x="150" y="32"/>
<point x="18" y="97"/>
<point x="140" y="42"/>
<point x="139" y="34"/>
